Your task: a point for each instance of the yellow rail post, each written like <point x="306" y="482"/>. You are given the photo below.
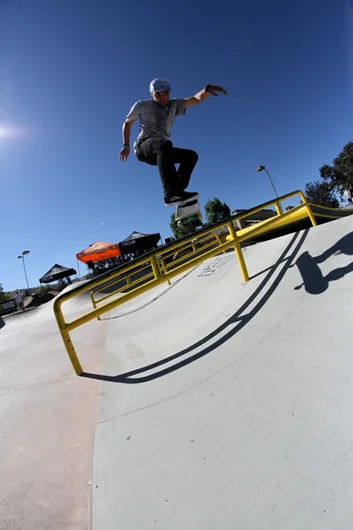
<point x="219" y="242"/>
<point x="278" y="208"/>
<point x="155" y="267"/>
<point x="309" y="210"/>
<point x="94" y="303"/>
<point x="311" y="215"/>
<point x="164" y="268"/>
<point x="238" y="251"/>
<point x="66" y="339"/>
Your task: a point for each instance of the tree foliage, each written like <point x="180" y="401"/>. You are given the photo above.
<point x="104" y="265"/>
<point x="3" y="296"/>
<point x="339" y="176"/>
<point x="216" y="211"/>
<point x="182" y="231"/>
<point x="321" y="193"/>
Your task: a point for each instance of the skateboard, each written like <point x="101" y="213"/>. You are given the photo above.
<point x="188" y="211"/>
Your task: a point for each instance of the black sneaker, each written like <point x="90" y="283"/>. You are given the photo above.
<point x="181" y="197"/>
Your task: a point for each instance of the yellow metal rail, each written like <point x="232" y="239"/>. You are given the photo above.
<point x="159" y="268"/>
<point x="127" y="282"/>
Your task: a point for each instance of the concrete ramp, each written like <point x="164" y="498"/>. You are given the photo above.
<point x="47" y="420"/>
<point x="228" y="405"/>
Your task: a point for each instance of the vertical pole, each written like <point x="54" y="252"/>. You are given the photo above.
<point x="24" y="268"/>
<point x="238" y="251"/>
<point x="155" y="267"/>
<point x="311" y="215"/>
<point x="78" y="266"/>
<point x="278" y="208"/>
<point x="273" y="186"/>
<point x="164" y="268"/>
<point x="308" y="209"/>
<point x="66" y="338"/>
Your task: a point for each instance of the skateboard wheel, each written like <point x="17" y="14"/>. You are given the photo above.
<point x="180" y="224"/>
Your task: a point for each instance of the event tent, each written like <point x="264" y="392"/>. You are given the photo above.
<point x="57" y="272"/>
<point x="98" y="251"/>
<point x="137" y="242"/>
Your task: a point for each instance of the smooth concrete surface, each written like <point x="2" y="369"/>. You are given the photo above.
<point x="47" y="419"/>
<point x="228" y="405"/>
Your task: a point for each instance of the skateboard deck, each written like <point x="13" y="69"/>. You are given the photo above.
<point x="188" y="211"/>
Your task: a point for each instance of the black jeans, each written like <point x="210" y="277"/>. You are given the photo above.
<point x="163" y="154"/>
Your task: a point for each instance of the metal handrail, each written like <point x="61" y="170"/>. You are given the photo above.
<point x="160" y="272"/>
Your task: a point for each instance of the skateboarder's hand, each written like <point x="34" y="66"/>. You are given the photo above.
<point x="124" y="153"/>
<point x="213" y="89"/>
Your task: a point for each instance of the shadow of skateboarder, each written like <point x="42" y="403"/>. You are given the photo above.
<point x="314" y="281"/>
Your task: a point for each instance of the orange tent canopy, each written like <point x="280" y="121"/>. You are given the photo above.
<point x="98" y="251"/>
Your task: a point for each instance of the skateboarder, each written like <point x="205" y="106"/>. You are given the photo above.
<point x="19" y="301"/>
<point x="153" y="146"/>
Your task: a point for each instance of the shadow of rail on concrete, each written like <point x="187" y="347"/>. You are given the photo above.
<point x="236" y="322"/>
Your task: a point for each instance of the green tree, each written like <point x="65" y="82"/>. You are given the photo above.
<point x="340" y="176"/>
<point x="181" y="231"/>
<point x="216" y="211"/>
<point x="42" y="289"/>
<point x="321" y="193"/>
<point x="104" y="265"/>
<point x="3" y="296"/>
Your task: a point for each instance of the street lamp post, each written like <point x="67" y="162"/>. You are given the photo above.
<point x="24" y="253"/>
<point x="262" y="168"/>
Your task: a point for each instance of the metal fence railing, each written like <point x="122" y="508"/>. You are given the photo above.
<point x="135" y="278"/>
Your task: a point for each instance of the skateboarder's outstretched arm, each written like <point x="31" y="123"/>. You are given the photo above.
<point x="203" y="94"/>
<point x="125" y="151"/>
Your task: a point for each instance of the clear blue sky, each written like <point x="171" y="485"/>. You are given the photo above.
<point x="71" y="70"/>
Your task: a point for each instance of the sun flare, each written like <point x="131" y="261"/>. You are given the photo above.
<point x="9" y="132"/>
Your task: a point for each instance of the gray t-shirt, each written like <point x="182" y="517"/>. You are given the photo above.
<point x="156" y="120"/>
